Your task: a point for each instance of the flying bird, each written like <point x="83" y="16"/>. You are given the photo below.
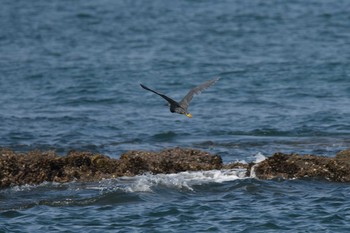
<point x="182" y="106"/>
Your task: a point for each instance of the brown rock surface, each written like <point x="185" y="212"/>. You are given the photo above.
<point x="290" y="166"/>
<point x="343" y="155"/>
<point x="170" y="161"/>
<point x="36" y="167"/>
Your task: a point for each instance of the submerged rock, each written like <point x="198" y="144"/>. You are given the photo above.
<point x="36" y="167"/>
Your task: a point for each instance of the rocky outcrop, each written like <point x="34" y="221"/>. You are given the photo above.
<point x="169" y="161"/>
<point x="36" y="167"/>
<point x="292" y="166"/>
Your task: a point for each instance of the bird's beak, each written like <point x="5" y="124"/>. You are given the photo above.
<point x="189" y="115"/>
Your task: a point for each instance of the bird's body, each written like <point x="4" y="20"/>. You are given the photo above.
<point x="182" y="106"/>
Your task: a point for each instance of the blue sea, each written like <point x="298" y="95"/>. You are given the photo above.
<point x="69" y="80"/>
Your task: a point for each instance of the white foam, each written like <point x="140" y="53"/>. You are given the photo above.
<point x="183" y="180"/>
<point x="252" y="171"/>
<point x="149" y="182"/>
<point x="259" y="157"/>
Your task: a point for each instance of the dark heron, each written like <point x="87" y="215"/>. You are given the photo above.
<point x="182" y="106"/>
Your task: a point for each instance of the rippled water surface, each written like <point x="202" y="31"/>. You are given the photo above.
<point x="69" y="79"/>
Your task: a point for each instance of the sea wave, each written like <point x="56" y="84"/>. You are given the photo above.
<point x="184" y="180"/>
<point x="123" y="189"/>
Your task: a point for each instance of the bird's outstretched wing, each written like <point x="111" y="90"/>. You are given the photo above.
<point x="197" y="90"/>
<point x="170" y="100"/>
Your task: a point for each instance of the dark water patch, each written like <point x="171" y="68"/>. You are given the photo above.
<point x="165" y="137"/>
<point x="118" y="197"/>
<point x="84" y="16"/>
<point x="131" y="141"/>
<point x="10" y="214"/>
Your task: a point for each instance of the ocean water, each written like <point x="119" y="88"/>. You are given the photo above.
<point x="69" y="79"/>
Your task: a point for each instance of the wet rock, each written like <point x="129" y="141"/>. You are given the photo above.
<point x="292" y="166"/>
<point x="169" y="161"/>
<point x="344" y="155"/>
<point x="36" y="167"/>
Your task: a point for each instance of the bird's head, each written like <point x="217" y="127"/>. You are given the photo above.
<point x="189" y="115"/>
<point x="183" y="112"/>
